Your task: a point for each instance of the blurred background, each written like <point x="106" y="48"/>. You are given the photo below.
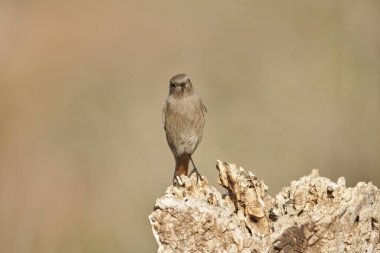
<point x="289" y="86"/>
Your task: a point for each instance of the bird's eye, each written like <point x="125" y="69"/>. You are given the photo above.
<point x="171" y="85"/>
<point x="188" y="80"/>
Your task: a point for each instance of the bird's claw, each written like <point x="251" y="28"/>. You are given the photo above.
<point x="177" y="180"/>
<point x="199" y="176"/>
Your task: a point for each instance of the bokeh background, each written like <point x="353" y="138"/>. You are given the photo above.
<point x="289" y="86"/>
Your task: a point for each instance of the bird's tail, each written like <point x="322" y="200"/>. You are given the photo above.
<point x="182" y="165"/>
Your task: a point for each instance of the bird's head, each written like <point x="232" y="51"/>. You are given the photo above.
<point x="180" y="85"/>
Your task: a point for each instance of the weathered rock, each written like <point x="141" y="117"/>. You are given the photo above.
<point x="313" y="214"/>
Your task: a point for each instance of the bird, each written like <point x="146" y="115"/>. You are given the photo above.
<point x="184" y="117"/>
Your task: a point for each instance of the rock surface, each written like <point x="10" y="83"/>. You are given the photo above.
<point x="313" y="214"/>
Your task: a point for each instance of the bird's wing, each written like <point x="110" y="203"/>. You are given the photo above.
<point x="204" y="109"/>
<point x="163" y="114"/>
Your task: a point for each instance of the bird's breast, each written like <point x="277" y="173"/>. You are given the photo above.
<point x="184" y="107"/>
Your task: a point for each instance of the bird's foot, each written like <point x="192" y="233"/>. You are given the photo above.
<point x="199" y="176"/>
<point x="176" y="180"/>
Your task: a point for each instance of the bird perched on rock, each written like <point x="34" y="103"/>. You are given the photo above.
<point x="184" y="116"/>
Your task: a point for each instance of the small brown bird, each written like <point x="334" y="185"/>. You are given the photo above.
<point x="184" y="116"/>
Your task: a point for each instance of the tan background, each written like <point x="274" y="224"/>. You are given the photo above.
<point x="289" y="86"/>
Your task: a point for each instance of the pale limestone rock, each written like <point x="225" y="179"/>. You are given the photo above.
<point x="313" y="214"/>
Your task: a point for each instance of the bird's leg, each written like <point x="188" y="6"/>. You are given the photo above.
<point x="195" y="170"/>
<point x="175" y="179"/>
